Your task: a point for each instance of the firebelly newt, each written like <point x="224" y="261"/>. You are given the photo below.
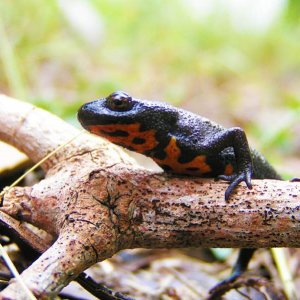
<point x="177" y="140"/>
<point x="180" y="142"/>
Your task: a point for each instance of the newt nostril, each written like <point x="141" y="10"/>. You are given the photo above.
<point x="87" y="113"/>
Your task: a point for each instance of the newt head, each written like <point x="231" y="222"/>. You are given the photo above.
<point x="132" y="123"/>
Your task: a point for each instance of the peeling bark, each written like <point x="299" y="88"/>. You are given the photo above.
<point x="95" y="201"/>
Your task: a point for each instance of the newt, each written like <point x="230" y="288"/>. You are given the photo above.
<point x="180" y="142"/>
<point x="177" y="140"/>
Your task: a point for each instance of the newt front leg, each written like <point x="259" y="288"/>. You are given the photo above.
<point x="235" y="138"/>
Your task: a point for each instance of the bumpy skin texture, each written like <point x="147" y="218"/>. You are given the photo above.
<point x="179" y="141"/>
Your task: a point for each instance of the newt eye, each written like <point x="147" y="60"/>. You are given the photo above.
<point x="119" y="101"/>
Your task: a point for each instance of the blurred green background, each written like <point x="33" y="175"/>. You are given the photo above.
<point x="236" y="62"/>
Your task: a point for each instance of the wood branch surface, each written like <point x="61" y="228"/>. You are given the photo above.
<point x="95" y="201"/>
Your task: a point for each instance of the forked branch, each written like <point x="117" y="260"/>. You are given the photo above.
<point x="95" y="201"/>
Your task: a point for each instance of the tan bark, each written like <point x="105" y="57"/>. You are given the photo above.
<point x="95" y="201"/>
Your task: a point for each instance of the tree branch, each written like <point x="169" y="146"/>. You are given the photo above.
<point x="96" y="201"/>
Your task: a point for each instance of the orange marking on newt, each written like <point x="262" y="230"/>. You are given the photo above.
<point x="228" y="170"/>
<point x="173" y="154"/>
<point x="133" y="131"/>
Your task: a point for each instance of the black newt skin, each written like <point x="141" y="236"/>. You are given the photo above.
<point x="179" y="141"/>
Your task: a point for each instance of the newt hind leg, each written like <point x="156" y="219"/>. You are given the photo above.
<point x="239" y="268"/>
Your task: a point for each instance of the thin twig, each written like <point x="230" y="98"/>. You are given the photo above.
<point x="14" y="271"/>
<point x="284" y="272"/>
